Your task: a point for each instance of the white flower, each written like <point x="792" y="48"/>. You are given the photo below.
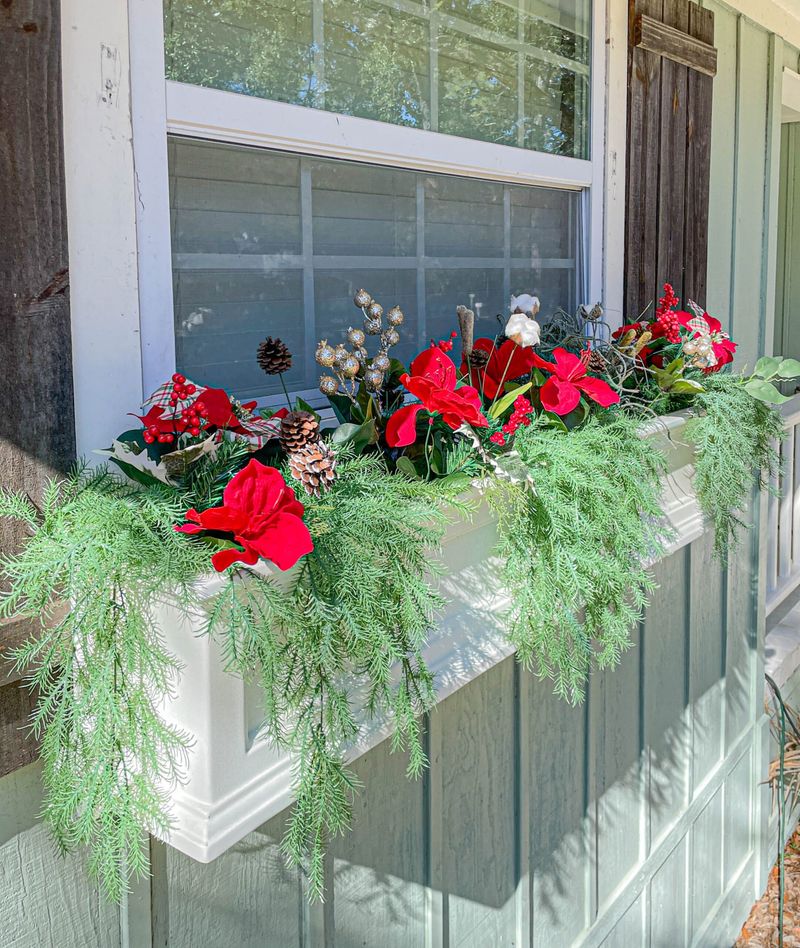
<point x="525" y="303"/>
<point x="524" y="331"/>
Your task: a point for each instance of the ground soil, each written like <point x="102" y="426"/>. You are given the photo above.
<point x="761" y="928"/>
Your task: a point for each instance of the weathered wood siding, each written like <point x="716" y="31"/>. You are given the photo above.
<point x="626" y="821"/>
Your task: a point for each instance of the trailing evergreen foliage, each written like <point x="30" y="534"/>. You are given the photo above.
<point x="733" y="435"/>
<point x="360" y="605"/>
<point x="576" y="545"/>
<point x="101" y="669"/>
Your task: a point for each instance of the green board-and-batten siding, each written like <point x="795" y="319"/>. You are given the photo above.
<point x="627" y="821"/>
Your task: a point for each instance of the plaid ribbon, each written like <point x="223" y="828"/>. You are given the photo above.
<point x="258" y="430"/>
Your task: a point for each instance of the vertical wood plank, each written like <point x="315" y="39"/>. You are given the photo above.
<point x="478" y="825"/>
<point x="379" y="866"/>
<point x="669" y="265"/>
<point x="706" y="863"/>
<point x="722" y="176"/>
<point x="559" y="827"/>
<point x="738" y="825"/>
<point x="786" y="506"/>
<point x="699" y="92"/>
<point x="642" y="180"/>
<point x="750" y="212"/>
<point x="616" y="733"/>
<point x="667" y="728"/>
<point x="247" y="897"/>
<point x="740" y="652"/>
<point x="771" y="193"/>
<point x="707" y="619"/>
<point x="668" y="890"/>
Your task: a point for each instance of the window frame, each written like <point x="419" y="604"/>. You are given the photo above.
<point x="162" y="107"/>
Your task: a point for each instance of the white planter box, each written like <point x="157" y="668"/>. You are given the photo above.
<point x="235" y="782"/>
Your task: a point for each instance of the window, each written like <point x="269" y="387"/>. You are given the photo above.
<point x="436" y="152"/>
<point x="511" y="72"/>
<point x="265" y="242"/>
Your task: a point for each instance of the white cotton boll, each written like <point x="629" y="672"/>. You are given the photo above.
<point x="523" y="331"/>
<point x="525" y="303"/>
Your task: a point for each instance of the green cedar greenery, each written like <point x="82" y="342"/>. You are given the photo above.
<point x="576" y="547"/>
<point x="101" y="668"/>
<point x="733" y="435"/>
<point x="353" y="610"/>
<point x="579" y="521"/>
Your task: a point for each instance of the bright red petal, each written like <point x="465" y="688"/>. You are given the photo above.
<point x="218" y="405"/>
<point x="225" y="558"/>
<point x="558" y="396"/>
<point x="509" y="362"/>
<point x="401" y="429"/>
<point x="598" y="390"/>
<point x="434" y="365"/>
<point x="569" y="367"/>
<point x="284" y="541"/>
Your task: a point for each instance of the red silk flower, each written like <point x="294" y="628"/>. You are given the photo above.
<point x="217" y="403"/>
<point x="723" y="346"/>
<point x="561" y="393"/>
<point x="261" y="512"/>
<point x="510" y="361"/>
<point x="433" y="380"/>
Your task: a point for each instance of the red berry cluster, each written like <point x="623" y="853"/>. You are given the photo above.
<point x="669" y="326"/>
<point x="520" y="416"/>
<point x="666" y="323"/>
<point x="192" y="418"/>
<point x="180" y="390"/>
<point x="446" y="345"/>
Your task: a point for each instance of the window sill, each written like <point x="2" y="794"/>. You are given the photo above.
<point x="235" y="781"/>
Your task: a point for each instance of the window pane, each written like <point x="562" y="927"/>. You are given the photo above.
<point x="512" y="72"/>
<point x="266" y="243"/>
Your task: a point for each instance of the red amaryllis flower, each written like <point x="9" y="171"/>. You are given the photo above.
<point x="509" y="361"/>
<point x="263" y="516"/>
<point x="722" y="344"/>
<point x="433" y="380"/>
<point x="561" y="393"/>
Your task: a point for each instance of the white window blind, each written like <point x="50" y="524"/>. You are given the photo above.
<point x="268" y="243"/>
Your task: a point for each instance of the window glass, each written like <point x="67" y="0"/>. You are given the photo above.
<point x="513" y="72"/>
<point x="266" y="243"/>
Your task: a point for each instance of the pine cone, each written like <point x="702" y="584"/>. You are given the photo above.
<point x="274" y="356"/>
<point x="596" y="362"/>
<point x="314" y="466"/>
<point x="298" y="428"/>
<point x="478" y="358"/>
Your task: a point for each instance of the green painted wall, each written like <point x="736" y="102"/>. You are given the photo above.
<point x="623" y="822"/>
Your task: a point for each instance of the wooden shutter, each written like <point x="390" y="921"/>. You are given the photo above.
<point x="37" y="437"/>
<point x="671" y="65"/>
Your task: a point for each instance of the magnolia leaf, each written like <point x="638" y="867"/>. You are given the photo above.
<point x="300" y="404"/>
<point x="553" y="421"/>
<point x="789" y="368"/>
<point x="765" y="392"/>
<point x="507" y="400"/>
<point x="406" y="466"/>
<point x="176" y="462"/>
<point x="675" y="367"/>
<point x="767" y="366"/>
<point x="686" y="387"/>
<point x="129" y="460"/>
<point x="357" y="436"/>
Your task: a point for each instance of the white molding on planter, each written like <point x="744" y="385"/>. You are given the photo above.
<point x="790" y="96"/>
<point x="235" y="783"/>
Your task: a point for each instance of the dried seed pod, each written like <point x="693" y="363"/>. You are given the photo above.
<point x="362" y="298"/>
<point x="395" y="316"/>
<point x="382" y="362"/>
<point x="340" y="354"/>
<point x="355" y="336"/>
<point x="390" y="338"/>
<point x="350" y="367"/>
<point x="373" y="379"/>
<point x="374" y="310"/>
<point x="325" y="354"/>
<point x="373" y="327"/>
<point x="328" y="385"/>
<point x="466" y="323"/>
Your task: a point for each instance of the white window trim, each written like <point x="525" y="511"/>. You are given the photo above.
<point x="129" y="234"/>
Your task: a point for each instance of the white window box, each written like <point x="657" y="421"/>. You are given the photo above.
<point x="234" y="782"/>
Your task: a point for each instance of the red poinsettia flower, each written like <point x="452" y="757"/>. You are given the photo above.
<point x="507" y="362"/>
<point x="433" y="380"/>
<point x="155" y="418"/>
<point x="263" y="516"/>
<point x="722" y="344"/>
<point x="561" y="393"/>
